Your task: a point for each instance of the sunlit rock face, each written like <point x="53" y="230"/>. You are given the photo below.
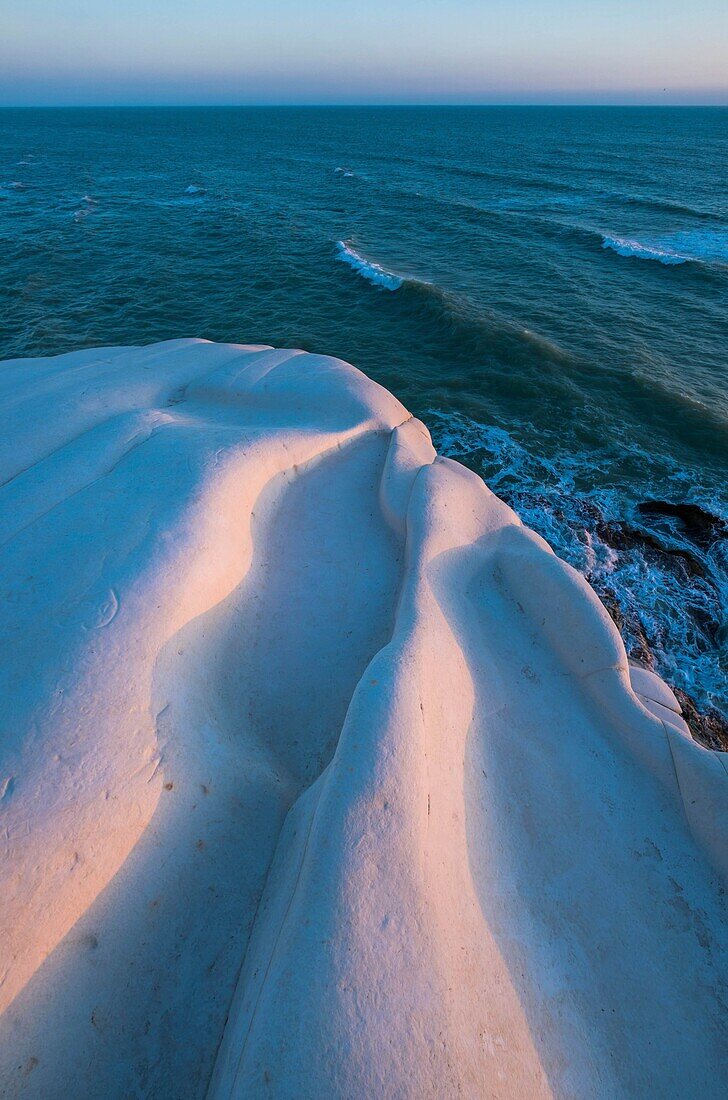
<point x="321" y="776"/>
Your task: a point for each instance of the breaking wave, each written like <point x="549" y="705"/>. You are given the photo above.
<point x="690" y="247"/>
<point x="373" y="272"/>
<point x="470" y="333"/>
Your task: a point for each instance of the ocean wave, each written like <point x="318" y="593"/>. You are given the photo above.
<point x="470" y="334"/>
<point x="373" y="272"/>
<point x="525" y="202"/>
<point x="88" y="206"/>
<point x="682" y="405"/>
<point x="507" y="176"/>
<point x="652" y="202"/>
<point x="346" y="172"/>
<point x="707" y="247"/>
<point x="475" y="335"/>
<point x="625" y="247"/>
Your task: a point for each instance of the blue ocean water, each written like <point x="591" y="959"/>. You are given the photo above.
<point x="545" y="287"/>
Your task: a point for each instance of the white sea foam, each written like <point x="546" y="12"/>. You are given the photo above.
<point x="623" y="246"/>
<point x="703" y="246"/>
<point x="194" y="189"/>
<point x="368" y="269"/>
<point x="88" y="206"/>
<point x="550" y="497"/>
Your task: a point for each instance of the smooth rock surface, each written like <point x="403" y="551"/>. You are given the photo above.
<point x="320" y="775"/>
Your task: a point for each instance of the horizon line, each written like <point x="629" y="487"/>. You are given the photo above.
<point x="183" y="105"/>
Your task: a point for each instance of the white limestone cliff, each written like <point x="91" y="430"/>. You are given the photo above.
<point x="320" y="775"/>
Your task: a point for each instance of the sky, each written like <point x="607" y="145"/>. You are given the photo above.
<point x="62" y="52"/>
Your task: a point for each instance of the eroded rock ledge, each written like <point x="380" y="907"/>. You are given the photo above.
<point x="321" y="774"/>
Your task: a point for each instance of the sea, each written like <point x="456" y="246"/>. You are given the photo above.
<point x="546" y="287"/>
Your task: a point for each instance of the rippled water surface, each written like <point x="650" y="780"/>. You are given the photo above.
<point x="546" y="287"/>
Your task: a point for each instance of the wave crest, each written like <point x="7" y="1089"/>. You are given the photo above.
<point x="623" y="246"/>
<point x="373" y="272"/>
<point x="681" y="248"/>
<point x="469" y="333"/>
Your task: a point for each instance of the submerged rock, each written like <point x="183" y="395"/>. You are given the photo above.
<point x="698" y="524"/>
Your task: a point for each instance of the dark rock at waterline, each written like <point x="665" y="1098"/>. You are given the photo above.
<point x="626" y="623"/>
<point x="702" y="601"/>
<point x="674" y="543"/>
<point x="640" y="651"/>
<point x="700" y="526"/>
<point x="610" y="601"/>
<point x="709" y="728"/>
<point x="622" y="536"/>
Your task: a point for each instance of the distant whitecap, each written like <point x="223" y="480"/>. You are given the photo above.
<point x="702" y="246"/>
